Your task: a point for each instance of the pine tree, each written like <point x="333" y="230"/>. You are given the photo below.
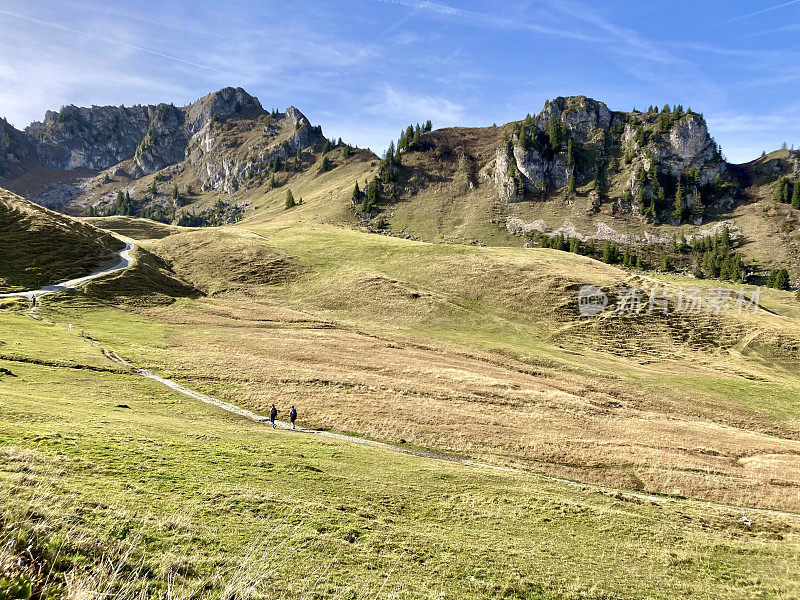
<point x="725" y="238"/>
<point x="415" y="142"/>
<point x="428" y="126"/>
<point x="610" y="253"/>
<point x="571" y="185"/>
<point x="175" y="192"/>
<point x="696" y="205"/>
<point x="524" y="139"/>
<point x="555" y="133"/>
<point x="650" y="211"/>
<point x="289" y="203"/>
<point x="666" y="263"/>
<point x="780" y="280"/>
<point x="326" y="147"/>
<point x="569" y="152"/>
<point x="326" y="164"/>
<point x="346" y="151"/>
<point x="356" y="192"/>
<point x="389" y="156"/>
<point x="782" y="190"/>
<point x="796" y="194"/>
<point x="677" y="211"/>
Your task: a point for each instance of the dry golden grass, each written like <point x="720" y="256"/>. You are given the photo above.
<point x="442" y="395"/>
<point x="480" y="351"/>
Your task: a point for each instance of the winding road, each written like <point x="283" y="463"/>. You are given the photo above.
<point x="125" y="261"/>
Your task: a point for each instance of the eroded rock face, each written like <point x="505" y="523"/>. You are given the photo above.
<point x="222" y="162"/>
<point x="14" y="148"/>
<point x="580" y="140"/>
<point x="154" y="136"/>
<point x="89" y="138"/>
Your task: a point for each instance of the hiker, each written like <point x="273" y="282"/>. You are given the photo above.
<point x="293" y="415"/>
<point x="273" y="414"/>
<point x="34" y="301"/>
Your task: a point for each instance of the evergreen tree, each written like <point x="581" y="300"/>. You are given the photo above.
<point x="782" y="190"/>
<point x="571" y="185"/>
<point x="575" y="246"/>
<point x="666" y="263"/>
<point x="569" y="152"/>
<point x="725" y="238"/>
<point x="650" y="211"/>
<point x="153" y="188"/>
<point x="346" y="152"/>
<point x="610" y="253"/>
<point x="524" y="139"/>
<point x="780" y="279"/>
<point x="289" y="203"/>
<point x="326" y="147"/>
<point x="390" y="153"/>
<point x="428" y="126"/>
<point x="175" y="192"/>
<point x="356" y="192"/>
<point x="696" y="205"/>
<point x="326" y="164"/>
<point x="796" y="194"/>
<point x="415" y="141"/>
<point x="677" y="211"/>
<point x="555" y="133"/>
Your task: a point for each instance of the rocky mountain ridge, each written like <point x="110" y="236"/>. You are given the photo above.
<point x="80" y="159"/>
<point x="155" y="136"/>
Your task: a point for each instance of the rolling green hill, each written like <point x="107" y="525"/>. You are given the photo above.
<point x="39" y="246"/>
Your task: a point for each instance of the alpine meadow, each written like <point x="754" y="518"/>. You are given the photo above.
<point x="506" y="307"/>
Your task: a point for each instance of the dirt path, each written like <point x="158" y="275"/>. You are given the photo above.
<point x="616" y="492"/>
<point x="126" y="260"/>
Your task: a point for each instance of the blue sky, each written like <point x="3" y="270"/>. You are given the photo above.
<point x="365" y="68"/>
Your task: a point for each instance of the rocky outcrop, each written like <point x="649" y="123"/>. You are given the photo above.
<point x="221" y="160"/>
<point x="628" y="158"/>
<point x="14" y="149"/>
<point x="154" y="136"/>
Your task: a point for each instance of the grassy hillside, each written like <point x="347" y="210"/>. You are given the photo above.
<point x="114" y="485"/>
<point x="39" y="246"/>
<point x="479" y="351"/>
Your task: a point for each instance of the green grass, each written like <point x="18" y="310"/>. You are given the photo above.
<point x="193" y="488"/>
<point x="39" y="246"/>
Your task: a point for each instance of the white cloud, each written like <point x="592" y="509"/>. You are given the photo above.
<point x="744" y="135"/>
<point x="405" y="107"/>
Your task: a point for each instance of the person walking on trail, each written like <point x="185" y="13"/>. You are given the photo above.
<point x="33" y="298"/>
<point x="293" y="415"/>
<point x="273" y="414"/>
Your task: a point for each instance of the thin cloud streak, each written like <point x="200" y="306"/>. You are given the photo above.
<point x="490" y="20"/>
<point x="758" y="12"/>
<point x="117" y="42"/>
